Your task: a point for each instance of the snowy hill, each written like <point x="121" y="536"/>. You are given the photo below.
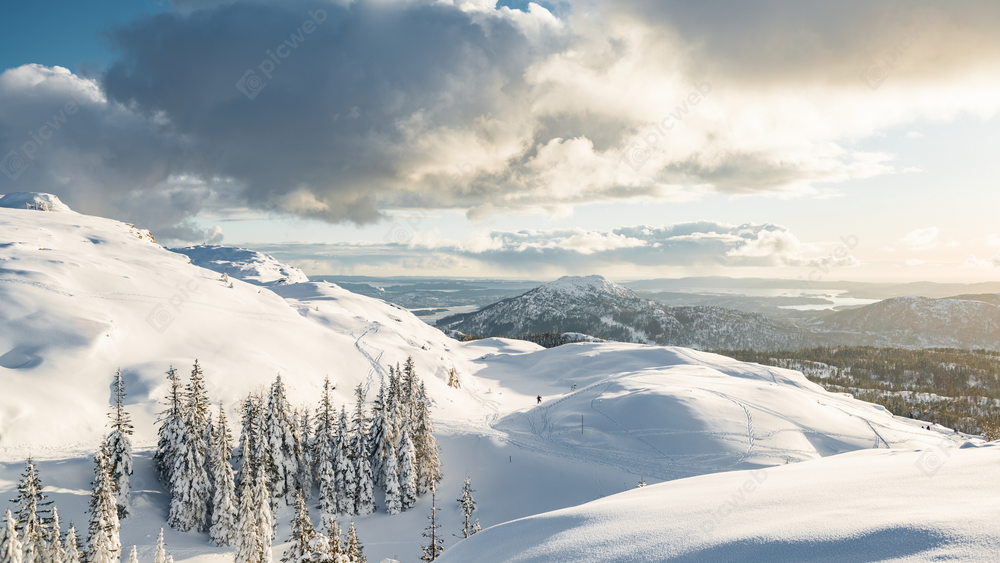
<point x="83" y="296"/>
<point x="918" y="322"/>
<point x="598" y="306"/>
<point x="243" y="264"/>
<point x="930" y="505"/>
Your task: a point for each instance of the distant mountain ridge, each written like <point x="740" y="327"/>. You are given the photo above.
<point x="595" y="305"/>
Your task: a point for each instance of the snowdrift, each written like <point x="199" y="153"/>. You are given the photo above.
<point x="931" y="505"/>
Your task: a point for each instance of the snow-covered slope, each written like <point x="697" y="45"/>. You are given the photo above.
<point x="244" y="264"/>
<point x="32" y="200"/>
<point x="598" y="306"/>
<point x="81" y="296"/>
<point x="929" y="505"/>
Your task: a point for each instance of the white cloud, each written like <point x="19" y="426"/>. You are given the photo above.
<point x="914" y="135"/>
<point x="973" y="262"/>
<point x="993" y="240"/>
<point x="915" y="262"/>
<point x="922" y="239"/>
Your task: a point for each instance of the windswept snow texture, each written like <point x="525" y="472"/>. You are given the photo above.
<point x="922" y="506"/>
<point x="33" y="200"/>
<point x="243" y="264"/>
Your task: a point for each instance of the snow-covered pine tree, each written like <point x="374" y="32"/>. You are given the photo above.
<point x="408" y="392"/>
<point x="407" y="472"/>
<point x="468" y="506"/>
<point x="364" y="499"/>
<point x="120" y="446"/>
<point x="393" y="501"/>
<point x="171" y="427"/>
<point x="133" y="556"/>
<point x="303" y="533"/>
<point x="435" y="545"/>
<point x="160" y="553"/>
<point x="10" y="546"/>
<point x="355" y="551"/>
<point x="280" y="432"/>
<point x="250" y="437"/>
<point x="345" y="475"/>
<point x="104" y="545"/>
<point x="224" y="503"/>
<point x="190" y="486"/>
<point x="255" y="523"/>
<point x="324" y="446"/>
<point x="337" y="551"/>
<point x="306" y="449"/>
<point x="425" y="445"/>
<point x="32" y="514"/>
<point x="377" y="435"/>
<point x="55" y="552"/>
<point x="72" y="546"/>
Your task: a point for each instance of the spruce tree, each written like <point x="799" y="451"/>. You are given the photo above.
<point x="255" y="523"/>
<point x="72" y="546"/>
<point x="133" y="557"/>
<point x="224" y="503"/>
<point x="355" y="551"/>
<point x="324" y="445"/>
<point x="10" y="546"/>
<point x="378" y="435"/>
<point x="364" y="499"/>
<point x="393" y="500"/>
<point x="190" y="486"/>
<point x="306" y="449"/>
<point x="337" y="551"/>
<point x="408" y="392"/>
<point x="407" y="473"/>
<point x="435" y="546"/>
<point x="425" y="445"/>
<point x="160" y="553"/>
<point x="345" y="477"/>
<point x="32" y="514"/>
<point x="468" y="506"/>
<point x="250" y="437"/>
<point x="120" y="446"/>
<point x="280" y="431"/>
<point x="171" y="427"/>
<point x="55" y="551"/>
<point x="104" y="545"/>
<point x="303" y="533"/>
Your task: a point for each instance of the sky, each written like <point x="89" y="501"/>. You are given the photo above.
<point x="785" y="139"/>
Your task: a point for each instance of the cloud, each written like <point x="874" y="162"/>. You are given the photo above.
<point x="390" y="104"/>
<point x="922" y="239"/>
<point x="692" y="244"/>
<point x="993" y="240"/>
<point x="973" y="262"/>
<point x="914" y="135"/>
<point x="915" y="262"/>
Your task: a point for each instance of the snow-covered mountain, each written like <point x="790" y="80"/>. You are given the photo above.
<point x="598" y="306"/>
<point x="243" y="264"/>
<point x="966" y="321"/>
<point x="81" y="297"/>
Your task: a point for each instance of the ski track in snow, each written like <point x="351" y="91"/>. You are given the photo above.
<point x="376" y="360"/>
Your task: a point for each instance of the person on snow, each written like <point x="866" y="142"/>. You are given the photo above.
<point x="539" y="400"/>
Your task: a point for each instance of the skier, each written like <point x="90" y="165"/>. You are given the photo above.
<point x="539" y="400"/>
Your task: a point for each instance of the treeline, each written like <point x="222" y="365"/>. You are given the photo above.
<point x="543" y="339"/>
<point x="956" y="388"/>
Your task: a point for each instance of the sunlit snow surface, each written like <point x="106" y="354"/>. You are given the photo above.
<point x="82" y="296"/>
